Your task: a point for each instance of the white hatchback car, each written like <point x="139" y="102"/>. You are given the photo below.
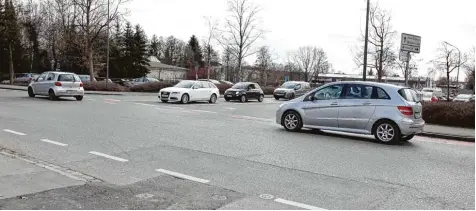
<point x="187" y="91"/>
<point x="57" y="84"/>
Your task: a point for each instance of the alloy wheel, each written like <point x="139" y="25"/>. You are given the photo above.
<point x="291" y="121"/>
<point x="385" y="132"/>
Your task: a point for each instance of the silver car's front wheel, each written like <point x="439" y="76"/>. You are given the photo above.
<point x="387" y="132"/>
<point x="292" y="121"/>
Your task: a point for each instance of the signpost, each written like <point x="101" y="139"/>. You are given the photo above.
<point x="409" y="44"/>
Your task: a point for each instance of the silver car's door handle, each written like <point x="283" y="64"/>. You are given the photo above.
<point x="366" y="103"/>
<point x="334" y="104"/>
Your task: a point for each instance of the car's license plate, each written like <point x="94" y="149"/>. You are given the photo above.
<point x="228" y="95"/>
<point x="69" y="91"/>
<point x="165" y="95"/>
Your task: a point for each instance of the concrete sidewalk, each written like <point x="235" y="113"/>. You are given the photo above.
<point x="20" y="176"/>
<point x="448" y="132"/>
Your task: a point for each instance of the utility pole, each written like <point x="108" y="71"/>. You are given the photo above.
<point x="107" y="54"/>
<point x="407" y="64"/>
<point x="366" y="40"/>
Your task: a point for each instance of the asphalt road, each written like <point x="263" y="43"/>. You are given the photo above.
<point x="237" y="149"/>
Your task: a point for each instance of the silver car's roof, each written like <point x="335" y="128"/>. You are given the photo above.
<point x="382" y="85"/>
<point x="58" y="72"/>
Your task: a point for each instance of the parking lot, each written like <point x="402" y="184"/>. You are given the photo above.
<point x="123" y="140"/>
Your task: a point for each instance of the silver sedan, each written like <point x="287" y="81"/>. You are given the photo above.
<point x="390" y="113"/>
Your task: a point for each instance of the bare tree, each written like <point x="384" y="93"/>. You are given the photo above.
<point x="412" y="66"/>
<point x="263" y="63"/>
<point x="212" y="28"/>
<point x="242" y="29"/>
<point x="447" y="60"/>
<point x="322" y="65"/>
<point x="93" y="18"/>
<point x="381" y="40"/>
<point x="470" y="69"/>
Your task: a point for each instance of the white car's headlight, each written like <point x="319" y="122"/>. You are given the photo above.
<point x="281" y="105"/>
<point x="174" y="93"/>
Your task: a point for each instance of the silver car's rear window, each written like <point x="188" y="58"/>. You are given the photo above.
<point x="408" y="94"/>
<point x="66" y="77"/>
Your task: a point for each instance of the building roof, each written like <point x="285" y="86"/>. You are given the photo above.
<point x="156" y="64"/>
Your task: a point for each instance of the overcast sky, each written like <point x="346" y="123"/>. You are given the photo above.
<point x="333" y="25"/>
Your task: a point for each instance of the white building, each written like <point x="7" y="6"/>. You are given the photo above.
<point x="163" y="71"/>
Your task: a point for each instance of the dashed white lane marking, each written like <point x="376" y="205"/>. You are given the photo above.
<point x="204" y="111"/>
<point x="107" y="102"/>
<point x="297" y="204"/>
<point x="113" y="100"/>
<point x="145" y="104"/>
<point x="253" y="118"/>
<point x="14" y="132"/>
<point x="173" y="107"/>
<point x="90" y="99"/>
<point x="183" y="176"/>
<point x="229" y="108"/>
<point x="53" y="142"/>
<point x="108" y="156"/>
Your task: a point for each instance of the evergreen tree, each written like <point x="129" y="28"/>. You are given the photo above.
<point x="154" y="48"/>
<point x="116" y="63"/>
<point x="194" y="47"/>
<point x="128" y="51"/>
<point x="140" y="53"/>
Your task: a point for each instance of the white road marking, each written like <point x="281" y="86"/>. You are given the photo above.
<point x="204" y="111"/>
<point x="173" y="107"/>
<point x="183" y="176"/>
<point x="114" y="100"/>
<point x="145" y="104"/>
<point x="297" y="204"/>
<point x="229" y="108"/>
<point x="252" y="118"/>
<point x="107" y="102"/>
<point x="108" y="156"/>
<point x="14" y="132"/>
<point x="53" y="142"/>
<point x="90" y="99"/>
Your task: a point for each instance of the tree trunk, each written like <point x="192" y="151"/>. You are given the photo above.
<point x="448" y="84"/>
<point x="90" y="61"/>
<point x="55" y="60"/>
<point x="10" y="52"/>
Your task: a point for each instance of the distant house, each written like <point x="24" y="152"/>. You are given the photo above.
<point x="163" y="71"/>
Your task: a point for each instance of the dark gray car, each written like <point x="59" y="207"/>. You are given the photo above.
<point x="292" y="89"/>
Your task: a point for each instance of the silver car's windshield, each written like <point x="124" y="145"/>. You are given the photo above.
<point x="185" y="84"/>
<point x="288" y="85"/>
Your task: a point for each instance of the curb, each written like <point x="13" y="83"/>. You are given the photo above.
<point x="447" y="136"/>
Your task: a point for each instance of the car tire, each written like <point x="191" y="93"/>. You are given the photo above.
<point x="243" y="98"/>
<point x="164" y="101"/>
<point x="52" y="96"/>
<point x="387" y="132"/>
<point x="276" y="98"/>
<point x="407" y="138"/>
<point x="227" y="99"/>
<point x="260" y="98"/>
<point x="30" y="92"/>
<point x="292" y="121"/>
<point x="79" y="98"/>
<point x="292" y="96"/>
<point x="185" y="99"/>
<point x="213" y="98"/>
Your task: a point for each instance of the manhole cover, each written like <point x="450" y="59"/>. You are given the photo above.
<point x="144" y="196"/>
<point x="266" y="196"/>
<point x="219" y="197"/>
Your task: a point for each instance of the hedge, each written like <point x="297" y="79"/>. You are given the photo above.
<point x="456" y="114"/>
<point x="101" y="86"/>
<point x="152" y="87"/>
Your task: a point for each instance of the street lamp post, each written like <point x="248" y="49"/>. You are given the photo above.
<point x="366" y="40"/>
<point x="107" y="54"/>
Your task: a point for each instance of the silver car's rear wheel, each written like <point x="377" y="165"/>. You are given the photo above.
<point x="292" y="121"/>
<point x="387" y="132"/>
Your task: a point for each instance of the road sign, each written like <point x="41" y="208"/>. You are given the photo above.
<point x="410" y="43"/>
<point x="404" y="56"/>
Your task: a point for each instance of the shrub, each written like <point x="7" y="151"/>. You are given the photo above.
<point x="223" y="87"/>
<point x="101" y="86"/>
<point x="457" y="114"/>
<point x="152" y="87"/>
<point x="269" y="90"/>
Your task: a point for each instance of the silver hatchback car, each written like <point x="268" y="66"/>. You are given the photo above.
<point x="57" y="84"/>
<point x="390" y="113"/>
